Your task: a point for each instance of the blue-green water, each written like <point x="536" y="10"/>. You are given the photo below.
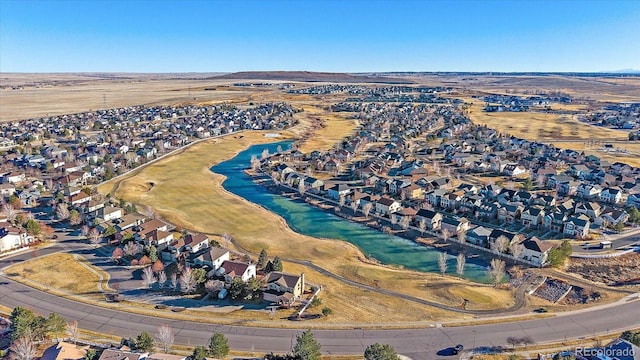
<point x="308" y="220"/>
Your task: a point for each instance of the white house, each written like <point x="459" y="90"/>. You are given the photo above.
<point x="535" y="251"/>
<point x="234" y="269"/>
<point x="213" y="257"/>
<point x="386" y="206"/>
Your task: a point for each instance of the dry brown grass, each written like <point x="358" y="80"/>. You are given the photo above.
<point x="50" y="271"/>
<point x="336" y="126"/>
<point x="78" y="97"/>
<point x="630" y="151"/>
<point x="541" y="126"/>
<point x="196" y="204"/>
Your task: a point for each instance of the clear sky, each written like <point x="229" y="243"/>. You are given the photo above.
<point x="340" y="36"/>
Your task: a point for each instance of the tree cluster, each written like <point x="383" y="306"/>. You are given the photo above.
<point x="632" y="337"/>
<point x="218" y="347"/>
<point x="558" y="255"/>
<point x="25" y="324"/>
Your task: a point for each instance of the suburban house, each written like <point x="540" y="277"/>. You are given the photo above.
<point x="532" y="217"/>
<point x="64" y="351"/>
<point x="213" y="257"/>
<point x="536" y="251"/>
<point x="431" y="219"/>
<point x="479" y="235"/>
<point x="611" y="195"/>
<point x="386" y="206"/>
<point x="577" y="226"/>
<point x="453" y="226"/>
<point x="338" y="190"/>
<point x="12" y="238"/>
<point x="108" y="213"/>
<point x="591" y="209"/>
<point x="122" y="354"/>
<point x="234" y="269"/>
<point x="283" y="288"/>
<point x="195" y="242"/>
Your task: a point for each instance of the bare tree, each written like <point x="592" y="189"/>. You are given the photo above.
<point x="516" y="250"/>
<point x="213" y="286"/>
<point x="84" y="230"/>
<point x="501" y="244"/>
<point x="131" y="249"/>
<point x="341" y="201"/>
<point x="301" y="187"/>
<point x="462" y="235"/>
<point x="445" y="234"/>
<point x="255" y="163"/>
<point x="148" y="278"/>
<point x="95" y="237"/>
<point x="354" y="206"/>
<point x="393" y="219"/>
<point x="173" y="279"/>
<point x="265" y="154"/>
<point x="405" y="221"/>
<point x="442" y="262"/>
<point x="10" y="212"/>
<point x="62" y="211"/>
<point x="366" y="209"/>
<point x="72" y="330"/>
<point x="460" y="262"/>
<point x="227" y="239"/>
<point x="165" y="338"/>
<point x="422" y="225"/>
<point x="162" y="279"/>
<point x="496" y="271"/>
<point x="149" y="212"/>
<point x="187" y="282"/>
<point x="22" y="349"/>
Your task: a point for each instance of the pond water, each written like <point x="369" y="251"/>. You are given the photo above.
<point x="309" y="220"/>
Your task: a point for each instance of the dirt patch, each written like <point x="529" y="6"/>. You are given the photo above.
<point x="622" y="270"/>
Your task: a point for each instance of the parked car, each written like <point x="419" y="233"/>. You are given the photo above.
<point x="458" y="349"/>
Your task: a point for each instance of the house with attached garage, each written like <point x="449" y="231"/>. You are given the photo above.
<point x="283" y="288"/>
<point x="431" y="219"/>
<point x="386" y="206"/>
<point x="213" y="257"/>
<point x="235" y="269"/>
<point x="611" y="195"/>
<point x="577" y="226"/>
<point x="536" y="251"/>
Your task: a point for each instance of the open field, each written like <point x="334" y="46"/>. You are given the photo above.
<point x="78" y="97"/>
<point x="541" y="126"/>
<point x="197" y="204"/>
<point x="626" y="151"/>
<point x="50" y="271"/>
<point x="334" y="128"/>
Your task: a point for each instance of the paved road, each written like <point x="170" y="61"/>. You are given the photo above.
<point x="421" y="343"/>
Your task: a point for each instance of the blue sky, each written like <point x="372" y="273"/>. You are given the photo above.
<point x="340" y="36"/>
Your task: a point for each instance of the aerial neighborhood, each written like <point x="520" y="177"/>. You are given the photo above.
<point x="428" y="167"/>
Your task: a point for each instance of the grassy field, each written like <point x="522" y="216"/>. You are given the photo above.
<point x="628" y="152"/>
<point x="541" y="126"/>
<point x="335" y="127"/>
<point x="196" y="205"/>
<point x="50" y="271"/>
<point x="91" y="95"/>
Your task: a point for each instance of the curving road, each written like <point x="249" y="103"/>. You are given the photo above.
<point x="421" y="343"/>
